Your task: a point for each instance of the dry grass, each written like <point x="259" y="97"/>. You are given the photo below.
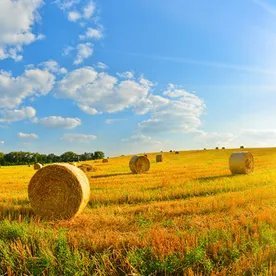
<point x="187" y="215"/>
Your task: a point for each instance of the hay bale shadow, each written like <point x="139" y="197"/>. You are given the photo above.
<point x="110" y="175"/>
<point x="215" y="177"/>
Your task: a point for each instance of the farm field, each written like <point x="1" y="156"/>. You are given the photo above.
<point x="187" y="216"/>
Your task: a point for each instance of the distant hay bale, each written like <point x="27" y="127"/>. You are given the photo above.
<point x="241" y="163"/>
<point x="59" y="191"/>
<point x="38" y="166"/>
<point x="177" y="152"/>
<point x="139" y="164"/>
<point x="217" y="148"/>
<point x="105" y="160"/>
<point x="241" y="147"/>
<point x="205" y="149"/>
<point x="73" y="163"/>
<point x="159" y="158"/>
<point x="86" y="167"/>
<point x="171" y="151"/>
<point x="145" y="155"/>
<point x="223" y="148"/>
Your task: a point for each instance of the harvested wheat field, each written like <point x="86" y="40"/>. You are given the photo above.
<point x="186" y="216"/>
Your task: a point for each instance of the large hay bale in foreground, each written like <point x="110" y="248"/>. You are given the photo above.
<point x="86" y="167"/>
<point x="59" y="191"/>
<point x="159" y="158"/>
<point x="139" y="164"/>
<point x="105" y="160"/>
<point x="241" y="163"/>
<point x="38" y="166"/>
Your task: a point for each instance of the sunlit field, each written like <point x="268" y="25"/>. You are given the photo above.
<point x="187" y="215"/>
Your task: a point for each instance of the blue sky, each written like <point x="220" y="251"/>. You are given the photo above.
<point x="134" y="76"/>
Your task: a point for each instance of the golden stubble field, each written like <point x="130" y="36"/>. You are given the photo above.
<point x="187" y="215"/>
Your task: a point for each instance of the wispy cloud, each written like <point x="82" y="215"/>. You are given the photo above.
<point x="78" y="137"/>
<point x="205" y="63"/>
<point x="266" y="6"/>
<point x="113" y="121"/>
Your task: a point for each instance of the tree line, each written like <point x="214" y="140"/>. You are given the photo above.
<point x="27" y="158"/>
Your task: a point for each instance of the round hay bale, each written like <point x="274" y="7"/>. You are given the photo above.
<point x="105" y="160"/>
<point x="139" y="164"/>
<point x="241" y="163"/>
<point x="59" y="191"/>
<point x="86" y="167"/>
<point x="37" y="166"/>
<point x="159" y="158"/>
<point x="177" y="152"/>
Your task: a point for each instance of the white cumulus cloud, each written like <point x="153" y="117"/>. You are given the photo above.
<point x="23" y="135"/>
<point x="84" y="51"/>
<point x="17" y="19"/>
<point x="97" y="92"/>
<point x="33" y="82"/>
<point x="92" y="33"/>
<point x="126" y="75"/>
<point x="59" y="122"/>
<point x="102" y="66"/>
<point x="74" y="16"/>
<point x="53" y="67"/>
<point x="77" y="10"/>
<point x="178" y="110"/>
<point x="25" y="113"/>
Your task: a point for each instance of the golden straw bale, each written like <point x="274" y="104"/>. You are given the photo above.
<point x="86" y="167"/>
<point x="159" y="158"/>
<point x="105" y="160"/>
<point x="241" y="163"/>
<point x="38" y="166"/>
<point x="139" y="164"/>
<point x="59" y="191"/>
